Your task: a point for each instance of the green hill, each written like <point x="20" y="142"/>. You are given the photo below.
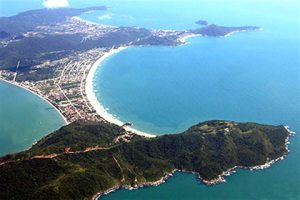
<point x="72" y="169"/>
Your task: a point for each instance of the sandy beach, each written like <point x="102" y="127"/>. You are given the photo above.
<point x="233" y="32"/>
<point x="89" y="89"/>
<point x="185" y="38"/>
<point x="18" y="85"/>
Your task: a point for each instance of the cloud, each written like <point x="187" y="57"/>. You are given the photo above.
<point x="55" y="3"/>
<point x="107" y="16"/>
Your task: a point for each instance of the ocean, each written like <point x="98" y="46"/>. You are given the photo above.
<point x="24" y="118"/>
<point x="250" y="76"/>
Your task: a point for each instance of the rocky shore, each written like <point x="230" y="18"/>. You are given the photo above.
<point x="219" y="179"/>
<point x="134" y="187"/>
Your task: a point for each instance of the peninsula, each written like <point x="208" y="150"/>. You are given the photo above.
<point x="54" y="53"/>
<point x="85" y="160"/>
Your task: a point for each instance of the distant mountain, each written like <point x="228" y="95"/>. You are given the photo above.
<point x="27" y="21"/>
<point x="37" y="36"/>
<point x="34" y="35"/>
<point x="84" y="158"/>
<point x="216" y="30"/>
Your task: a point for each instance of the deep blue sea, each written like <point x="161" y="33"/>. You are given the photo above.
<point x="252" y="76"/>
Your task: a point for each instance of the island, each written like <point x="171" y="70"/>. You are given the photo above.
<point x="85" y="160"/>
<point x="202" y="22"/>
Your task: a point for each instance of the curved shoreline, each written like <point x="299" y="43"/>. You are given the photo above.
<point x="36" y="94"/>
<point x="91" y="96"/>
<point x="184" y="39"/>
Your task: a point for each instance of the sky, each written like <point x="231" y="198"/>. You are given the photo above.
<point x="55" y="3"/>
<point x="13" y="7"/>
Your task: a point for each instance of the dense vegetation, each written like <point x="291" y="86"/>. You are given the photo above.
<point x="207" y="148"/>
<point x="216" y="30"/>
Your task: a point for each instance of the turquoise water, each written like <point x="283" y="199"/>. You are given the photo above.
<point x="243" y="185"/>
<point x="24" y="118"/>
<point x="250" y="76"/>
<point x="13" y="7"/>
<point x="166" y="90"/>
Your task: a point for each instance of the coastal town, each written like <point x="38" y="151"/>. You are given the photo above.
<point x="66" y="90"/>
<point x="64" y="85"/>
<point x="71" y="51"/>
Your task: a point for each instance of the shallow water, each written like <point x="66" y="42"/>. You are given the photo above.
<point x="24" y="118"/>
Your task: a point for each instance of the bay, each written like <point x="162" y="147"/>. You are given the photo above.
<point x="250" y="76"/>
<point x="24" y="118"/>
